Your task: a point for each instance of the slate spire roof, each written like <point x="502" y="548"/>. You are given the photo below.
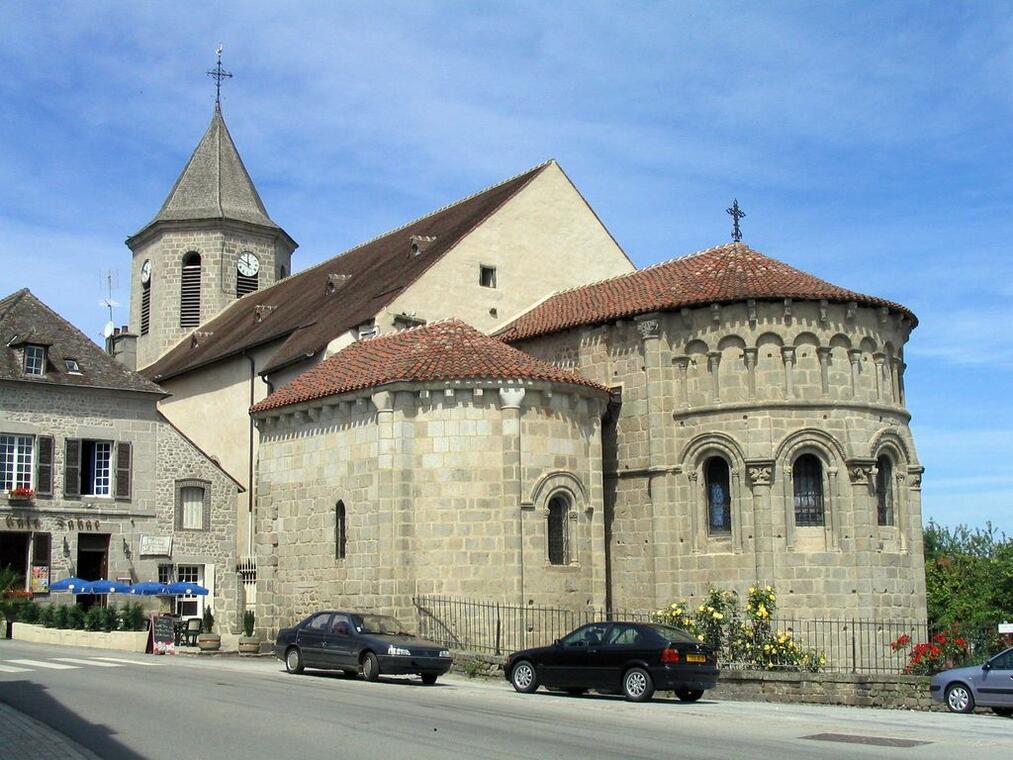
<point x="306" y="311"/>
<point x="723" y="274"/>
<point x="25" y="320"/>
<point x="440" y="351"/>
<point x="214" y="184"/>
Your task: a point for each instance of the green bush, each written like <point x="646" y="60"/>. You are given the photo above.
<point x="132" y="618"/>
<point x="29" y="612"/>
<point x="249" y="622"/>
<point x="110" y="618"/>
<point x="47" y="616"/>
<point x="61" y="615"/>
<point x="209" y="620"/>
<point x="93" y="618"/>
<point x="75" y="617"/>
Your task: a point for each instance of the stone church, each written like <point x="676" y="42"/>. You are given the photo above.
<point x="492" y="402"/>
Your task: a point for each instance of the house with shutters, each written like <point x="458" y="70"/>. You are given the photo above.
<point x="94" y="480"/>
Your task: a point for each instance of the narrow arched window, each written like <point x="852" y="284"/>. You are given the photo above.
<point x="340" y="531"/>
<point x="559" y="544"/>
<point x="807" y="478"/>
<point x="145" y="307"/>
<point x="189" y="293"/>
<point x="884" y="491"/>
<point x="719" y="500"/>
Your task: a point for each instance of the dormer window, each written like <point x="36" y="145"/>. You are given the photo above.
<point x="35" y="360"/>
<point x="73" y="368"/>
<point x="419" y="244"/>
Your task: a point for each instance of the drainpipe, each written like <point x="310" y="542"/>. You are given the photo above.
<point x="249" y="472"/>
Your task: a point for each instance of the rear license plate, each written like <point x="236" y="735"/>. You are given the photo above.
<point x="696" y="658"/>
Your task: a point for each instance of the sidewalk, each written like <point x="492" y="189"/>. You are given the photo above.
<point x="24" y="738"/>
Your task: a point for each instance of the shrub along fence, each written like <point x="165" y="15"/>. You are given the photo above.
<point x="837" y="645"/>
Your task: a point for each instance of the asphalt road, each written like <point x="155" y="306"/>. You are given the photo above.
<point x="187" y="708"/>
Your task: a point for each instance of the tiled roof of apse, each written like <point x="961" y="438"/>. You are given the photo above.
<point x="446" y="350"/>
<point x="723" y="274"/>
<point x="25" y="320"/>
<point x="305" y="313"/>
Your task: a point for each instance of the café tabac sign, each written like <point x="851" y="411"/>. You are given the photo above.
<point x="62" y="523"/>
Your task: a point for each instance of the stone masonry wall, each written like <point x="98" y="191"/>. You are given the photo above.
<point x="758" y="384"/>
<point x="161" y="457"/>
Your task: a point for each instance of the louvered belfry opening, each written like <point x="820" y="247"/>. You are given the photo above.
<point x="145" y="307"/>
<point x="245" y="284"/>
<point x="189" y="295"/>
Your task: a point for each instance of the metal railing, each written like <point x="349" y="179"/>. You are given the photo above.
<point x="848" y="645"/>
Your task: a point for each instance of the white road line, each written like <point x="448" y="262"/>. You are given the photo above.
<point x="128" y="662"/>
<point x="41" y="664"/>
<point x="76" y="661"/>
<point x="5" y="669"/>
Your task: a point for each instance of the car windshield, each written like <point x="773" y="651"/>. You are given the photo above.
<point x="383" y="624"/>
<point x="675" y="634"/>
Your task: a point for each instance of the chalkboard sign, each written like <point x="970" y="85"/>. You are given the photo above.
<point x="162" y="639"/>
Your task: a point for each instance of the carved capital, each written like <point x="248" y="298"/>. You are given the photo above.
<point x="649" y="328"/>
<point x="914" y="475"/>
<point x="681" y="363"/>
<point x="823" y="352"/>
<point x="760" y="472"/>
<point x="862" y="471"/>
<point x="855" y="354"/>
<point x="692" y="476"/>
<point x="788" y="354"/>
<point x="511" y="398"/>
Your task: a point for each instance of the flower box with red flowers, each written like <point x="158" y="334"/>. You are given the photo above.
<point x="21" y="494"/>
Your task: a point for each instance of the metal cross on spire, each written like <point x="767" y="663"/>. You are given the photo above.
<point x="218" y="74"/>
<point x="736" y="213"/>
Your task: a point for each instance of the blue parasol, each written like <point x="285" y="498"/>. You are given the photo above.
<point x="185" y="588"/>
<point x="73" y="584"/>
<point x="150" y="588"/>
<point x="103" y="586"/>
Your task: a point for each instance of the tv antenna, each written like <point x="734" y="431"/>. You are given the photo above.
<point x="110" y="282"/>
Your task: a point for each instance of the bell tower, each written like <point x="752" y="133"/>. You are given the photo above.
<point x="211" y="243"/>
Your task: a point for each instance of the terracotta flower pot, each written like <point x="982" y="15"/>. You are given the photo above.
<point x="249" y="645"/>
<point x="209" y="642"/>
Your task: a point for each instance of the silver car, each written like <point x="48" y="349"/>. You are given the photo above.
<point x="987" y="685"/>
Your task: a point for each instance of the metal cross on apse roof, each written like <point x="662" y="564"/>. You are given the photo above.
<point x="736" y="213"/>
<point x="218" y="74"/>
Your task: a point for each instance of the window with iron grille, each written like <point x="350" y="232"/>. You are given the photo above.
<point x="16" y="457"/>
<point x="884" y="491"/>
<point x="189" y="294"/>
<point x="340" y="531"/>
<point x="559" y="544"/>
<point x="719" y="500"/>
<point x="246" y="284"/>
<point x="145" y="307"/>
<point x="807" y="479"/>
<point x="35" y="360"/>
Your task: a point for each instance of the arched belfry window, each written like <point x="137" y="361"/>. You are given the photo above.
<point x="807" y="479"/>
<point x="884" y="491"/>
<point x="719" y="498"/>
<point x="189" y="293"/>
<point x="340" y="531"/>
<point x="559" y="544"/>
<point x="145" y="307"/>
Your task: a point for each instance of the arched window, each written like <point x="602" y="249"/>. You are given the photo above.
<point x="145" y="307"/>
<point x="559" y="544"/>
<point x="807" y="478"/>
<point x="884" y="491"/>
<point x="340" y="531"/>
<point x="719" y="500"/>
<point x="189" y="293"/>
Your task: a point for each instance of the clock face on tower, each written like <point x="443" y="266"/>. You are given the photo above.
<point x="248" y="265"/>
<point x="146" y="270"/>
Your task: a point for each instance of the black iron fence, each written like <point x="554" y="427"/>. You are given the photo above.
<point x="845" y="645"/>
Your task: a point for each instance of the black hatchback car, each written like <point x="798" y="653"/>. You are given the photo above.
<point x="357" y="642"/>
<point x="634" y="659"/>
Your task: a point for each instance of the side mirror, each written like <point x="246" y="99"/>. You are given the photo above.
<point x="986" y="666"/>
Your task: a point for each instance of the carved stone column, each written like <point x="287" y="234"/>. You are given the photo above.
<point x="879" y="359"/>
<point x="681" y="364"/>
<point x="713" y="365"/>
<point x="823" y="352"/>
<point x="511" y="401"/>
<point x="391" y="567"/>
<point x="788" y="355"/>
<point x="760" y="477"/>
<point x="896" y="368"/>
<point x="749" y="355"/>
<point x="855" y="355"/>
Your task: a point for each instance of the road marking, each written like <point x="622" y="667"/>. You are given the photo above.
<point x="76" y="661"/>
<point x="128" y="662"/>
<point x="40" y="664"/>
<point x="5" y="669"/>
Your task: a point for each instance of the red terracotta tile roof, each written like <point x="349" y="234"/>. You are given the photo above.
<point x="723" y="274"/>
<point x="446" y="350"/>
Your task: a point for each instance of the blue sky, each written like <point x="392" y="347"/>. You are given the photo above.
<point x="869" y="143"/>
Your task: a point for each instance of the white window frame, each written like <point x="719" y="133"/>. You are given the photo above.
<point x="102" y="468"/>
<point x="17" y="461"/>
<point x="190" y="606"/>
<point x="35" y="360"/>
<point x="192" y="511"/>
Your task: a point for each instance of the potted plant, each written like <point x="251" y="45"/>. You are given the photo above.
<point x="208" y="640"/>
<point x="21" y="494"/>
<point x="11" y="599"/>
<point x="249" y="644"/>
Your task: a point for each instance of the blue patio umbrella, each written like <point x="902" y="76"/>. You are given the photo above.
<point x="150" y="588"/>
<point x="72" y="584"/>
<point x="103" y="586"/>
<point x="185" y="588"/>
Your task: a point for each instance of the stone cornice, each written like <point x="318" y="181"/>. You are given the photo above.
<point x="792" y="404"/>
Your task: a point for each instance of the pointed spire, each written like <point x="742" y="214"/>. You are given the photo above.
<point x="214" y="184"/>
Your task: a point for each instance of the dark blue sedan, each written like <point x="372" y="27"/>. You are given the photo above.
<point x="986" y="685"/>
<point x="629" y="658"/>
<point x="359" y="642"/>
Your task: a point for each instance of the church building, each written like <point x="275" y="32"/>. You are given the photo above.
<point x="491" y="402"/>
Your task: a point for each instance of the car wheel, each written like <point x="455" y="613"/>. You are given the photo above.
<point x="576" y="692"/>
<point x="293" y="660"/>
<point x="1003" y="712"/>
<point x="370" y="667"/>
<point x="959" y="698"/>
<point x="524" y="678"/>
<point x="688" y="695"/>
<point x="429" y="678"/>
<point x="638" y="685"/>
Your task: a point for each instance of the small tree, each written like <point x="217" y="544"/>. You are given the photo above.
<point x="249" y="621"/>
<point x="10" y="600"/>
<point x="209" y="620"/>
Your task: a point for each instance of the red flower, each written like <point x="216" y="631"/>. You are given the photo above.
<point x="939" y="638"/>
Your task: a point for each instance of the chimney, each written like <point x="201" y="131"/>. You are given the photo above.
<point x="122" y="346"/>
